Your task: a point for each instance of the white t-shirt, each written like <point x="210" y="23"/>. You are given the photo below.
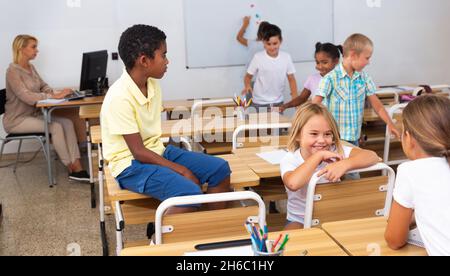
<point x="271" y="74"/>
<point x="297" y="200"/>
<point x="424" y="185"/>
<point x="253" y="47"/>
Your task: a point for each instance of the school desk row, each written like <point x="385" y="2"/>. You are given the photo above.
<point x="363" y="237"/>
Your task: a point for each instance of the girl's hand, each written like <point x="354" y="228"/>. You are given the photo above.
<point x="334" y="172"/>
<point x="394" y="131"/>
<point x="330" y="157"/>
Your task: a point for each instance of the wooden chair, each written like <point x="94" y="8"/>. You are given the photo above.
<point x="251" y="142"/>
<point x="349" y="199"/>
<point x="207" y="224"/>
<point x="396" y="116"/>
<point x="272" y="189"/>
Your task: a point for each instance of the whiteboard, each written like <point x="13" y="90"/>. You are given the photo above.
<point x="211" y="27"/>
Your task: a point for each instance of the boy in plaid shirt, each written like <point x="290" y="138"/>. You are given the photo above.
<point x="345" y="89"/>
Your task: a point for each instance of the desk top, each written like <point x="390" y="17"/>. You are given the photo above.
<point x="315" y="241"/>
<point x="261" y="167"/>
<point x="242" y="175"/>
<point x="82" y="102"/>
<point x="365" y="237"/>
<point x="191" y="127"/>
<point x="187" y="104"/>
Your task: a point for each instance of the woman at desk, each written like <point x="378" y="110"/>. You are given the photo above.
<point x="24" y="88"/>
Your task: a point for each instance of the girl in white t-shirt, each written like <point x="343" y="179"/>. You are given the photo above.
<point x="327" y="56"/>
<point x="422" y="188"/>
<point x="314" y="146"/>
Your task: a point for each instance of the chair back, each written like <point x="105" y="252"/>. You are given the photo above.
<point x="350" y="199"/>
<point x="207" y="224"/>
<point x="2" y="101"/>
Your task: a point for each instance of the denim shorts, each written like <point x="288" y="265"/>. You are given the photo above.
<point x="162" y="183"/>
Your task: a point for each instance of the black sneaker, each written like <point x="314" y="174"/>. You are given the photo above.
<point x="80" y="176"/>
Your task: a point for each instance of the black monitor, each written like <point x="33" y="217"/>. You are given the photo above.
<point x="93" y="72"/>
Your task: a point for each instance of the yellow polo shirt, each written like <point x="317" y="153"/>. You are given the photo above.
<point x="126" y="110"/>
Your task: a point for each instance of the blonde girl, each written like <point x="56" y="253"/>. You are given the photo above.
<point x="314" y="146"/>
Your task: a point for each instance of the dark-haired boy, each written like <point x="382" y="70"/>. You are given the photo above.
<point x="131" y="129"/>
<point x="271" y="68"/>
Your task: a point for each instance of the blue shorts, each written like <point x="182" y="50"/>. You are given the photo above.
<point x="163" y="183"/>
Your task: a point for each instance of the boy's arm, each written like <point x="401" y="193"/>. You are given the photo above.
<point x="358" y="159"/>
<point x="381" y="111"/>
<point x="397" y="230"/>
<point x="240" y="35"/>
<point x="325" y="87"/>
<point x="143" y="155"/>
<point x="247" y="84"/>
<point x="293" y="86"/>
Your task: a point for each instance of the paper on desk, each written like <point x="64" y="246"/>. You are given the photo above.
<point x="273" y="157"/>
<point x="51" y="101"/>
<point x="414" y="238"/>
<point x="231" y="251"/>
<point x="406" y="88"/>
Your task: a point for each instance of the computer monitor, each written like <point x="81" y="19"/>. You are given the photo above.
<point x="93" y="72"/>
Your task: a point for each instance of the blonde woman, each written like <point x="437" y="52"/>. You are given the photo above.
<point x="314" y="145"/>
<point x="24" y="88"/>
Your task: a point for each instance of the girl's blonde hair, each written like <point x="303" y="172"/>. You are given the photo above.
<point x="303" y="115"/>
<point x="357" y="43"/>
<point x="427" y="119"/>
<point x="20" y="42"/>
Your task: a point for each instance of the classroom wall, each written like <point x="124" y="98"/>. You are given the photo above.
<point x="406" y="51"/>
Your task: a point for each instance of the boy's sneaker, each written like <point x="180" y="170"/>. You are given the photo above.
<point x="80" y="176"/>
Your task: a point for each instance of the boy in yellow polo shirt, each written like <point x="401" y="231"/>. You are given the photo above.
<point x="131" y="129"/>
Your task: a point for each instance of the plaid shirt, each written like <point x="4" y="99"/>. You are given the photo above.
<point x="345" y="96"/>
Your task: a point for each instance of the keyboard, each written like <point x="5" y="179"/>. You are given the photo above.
<point x="76" y="95"/>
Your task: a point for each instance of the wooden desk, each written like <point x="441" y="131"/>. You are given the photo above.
<point x="216" y="125"/>
<point x="47" y="110"/>
<point x="262" y="168"/>
<point x="87" y="113"/>
<point x="67" y="104"/>
<point x="242" y="175"/>
<point x="365" y="237"/>
<point x="90" y="111"/>
<point x="315" y="241"/>
<point x="186" y="105"/>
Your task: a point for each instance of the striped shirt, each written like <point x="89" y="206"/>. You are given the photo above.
<point x="345" y="96"/>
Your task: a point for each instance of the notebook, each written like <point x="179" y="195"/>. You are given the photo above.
<point x="414" y="238"/>
<point x="273" y="157"/>
<point x="51" y="101"/>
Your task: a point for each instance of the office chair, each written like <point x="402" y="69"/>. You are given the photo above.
<point x="40" y="137"/>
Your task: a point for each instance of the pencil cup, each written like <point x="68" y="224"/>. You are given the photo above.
<point x="269" y="243"/>
<point x="242" y="113"/>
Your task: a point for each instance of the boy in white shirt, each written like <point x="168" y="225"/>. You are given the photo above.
<point x="271" y="68"/>
<point x="422" y="188"/>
